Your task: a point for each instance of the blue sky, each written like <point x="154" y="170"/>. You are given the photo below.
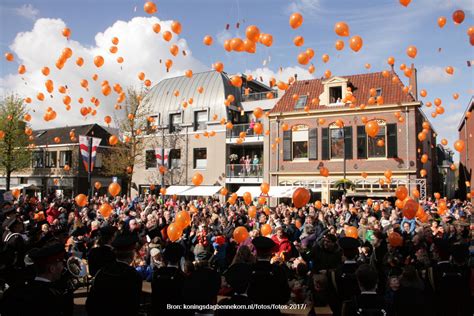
<point x="386" y="27"/>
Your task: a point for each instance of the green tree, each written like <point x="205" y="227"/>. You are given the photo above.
<point x="15" y="154"/>
<point x="132" y="125"/>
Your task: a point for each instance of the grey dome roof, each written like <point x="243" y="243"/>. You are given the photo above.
<point x="162" y="100"/>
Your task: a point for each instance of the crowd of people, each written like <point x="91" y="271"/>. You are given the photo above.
<point x="343" y="255"/>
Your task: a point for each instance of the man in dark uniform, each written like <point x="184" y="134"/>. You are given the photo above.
<point x="238" y="277"/>
<point x="39" y="296"/>
<point x="117" y="287"/>
<point x="202" y="286"/>
<point x="103" y="254"/>
<point x="168" y="281"/>
<point x="451" y="281"/>
<point x="368" y="302"/>
<point x="14" y="251"/>
<point x="268" y="282"/>
<point x="343" y="279"/>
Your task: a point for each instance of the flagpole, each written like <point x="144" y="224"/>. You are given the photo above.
<point x="89" y="174"/>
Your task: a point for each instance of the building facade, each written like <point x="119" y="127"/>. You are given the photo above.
<point x="55" y="149"/>
<point x="324" y="131"/>
<point x="189" y="120"/>
<point x="446" y="171"/>
<point x="466" y="164"/>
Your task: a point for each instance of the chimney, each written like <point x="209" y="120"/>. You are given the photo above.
<point x="413" y="82"/>
<point x="296" y="77"/>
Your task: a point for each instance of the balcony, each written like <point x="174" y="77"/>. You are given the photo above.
<point x="233" y="134"/>
<point x="238" y="173"/>
<point x="258" y="96"/>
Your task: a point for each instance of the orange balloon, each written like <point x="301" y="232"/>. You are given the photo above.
<point x="252" y="211"/>
<point x="401" y="192"/>
<point x="174" y="49"/>
<point x="395" y="240"/>
<point x="183" y="219"/>
<point x="240" y="234"/>
<point x="218" y="66"/>
<point x="449" y="70"/>
<point x="410" y="208"/>
<point x="176" y="27"/>
<point x="356" y="43"/>
<point x="352" y="232"/>
<point x="341" y="29"/>
<point x="149" y="7"/>
<point x="266" y="229"/>
<point x="339" y="45"/>
<point x="258" y="128"/>
<point x="16" y="193"/>
<point x="167" y="36"/>
<point x="97" y="185"/>
<point x="66" y="32"/>
<point x="459" y="145"/>
<point x="298" y="40"/>
<point x="81" y="200"/>
<point x="303" y="58"/>
<point x="197" y="179"/>
<point x="412" y="51"/>
<point x="458" y="16"/>
<point x="114" y="189"/>
<point x="252" y="33"/>
<point x="247" y="198"/>
<point x="441" y="21"/>
<point x="372" y="128"/>
<point x="105" y="210"/>
<point x="265" y="187"/>
<point x="262" y="200"/>
<point x="98" y="61"/>
<point x="113" y="140"/>
<point x="405" y="3"/>
<point x="415" y="193"/>
<point x="174" y="232"/>
<point x="325" y="58"/>
<point x="296" y="19"/>
<point x="301" y="197"/>
<point x="236" y="81"/>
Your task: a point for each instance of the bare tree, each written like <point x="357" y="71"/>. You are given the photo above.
<point x="132" y="125"/>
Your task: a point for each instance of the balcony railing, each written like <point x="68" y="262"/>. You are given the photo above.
<point x="244" y="171"/>
<point x="258" y="96"/>
<point x="239" y="128"/>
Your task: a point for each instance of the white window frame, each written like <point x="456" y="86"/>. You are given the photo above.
<point x="199" y="164"/>
<point x="331" y="127"/>
<point x="301" y="134"/>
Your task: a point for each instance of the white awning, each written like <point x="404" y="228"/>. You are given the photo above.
<point x="202" y="190"/>
<point x="282" y="191"/>
<point x="20" y="187"/>
<point x="177" y="189"/>
<point x="253" y="190"/>
<point x="275" y="191"/>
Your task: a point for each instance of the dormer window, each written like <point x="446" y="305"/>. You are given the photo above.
<point x="335" y="94"/>
<point x="301" y="102"/>
<point x="378" y="92"/>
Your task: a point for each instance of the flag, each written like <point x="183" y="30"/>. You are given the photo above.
<point x="162" y="156"/>
<point x="84" y="147"/>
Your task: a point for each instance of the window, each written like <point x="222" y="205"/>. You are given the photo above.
<point x="200" y="158"/>
<point x="301" y="102"/>
<point x="152" y="124"/>
<point x="337" y="143"/>
<point x="175" y="120"/>
<point x="300" y="142"/>
<point x="50" y="159"/>
<point x="65" y="158"/>
<point x="373" y="148"/>
<point x="175" y="158"/>
<point x="150" y="159"/>
<point x="200" y="120"/>
<point x="38" y="159"/>
<point x="98" y="160"/>
<point x="335" y="95"/>
<point x="378" y="92"/>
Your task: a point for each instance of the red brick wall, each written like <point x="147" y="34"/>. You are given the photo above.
<point x="467" y="134"/>
<point x="407" y="140"/>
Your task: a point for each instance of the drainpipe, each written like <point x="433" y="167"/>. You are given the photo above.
<point x="278" y="149"/>
<point x="187" y="152"/>
<point x="407" y="119"/>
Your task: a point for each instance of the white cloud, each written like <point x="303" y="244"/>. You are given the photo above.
<point x="266" y="74"/>
<point x="433" y="75"/>
<point x="305" y="6"/>
<point x="27" y="11"/>
<point x="223" y="35"/>
<point x="141" y="48"/>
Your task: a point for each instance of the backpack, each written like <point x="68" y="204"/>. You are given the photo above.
<point x="7" y="255"/>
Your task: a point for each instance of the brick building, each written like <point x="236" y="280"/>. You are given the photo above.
<point x="47" y="174"/>
<point x="466" y="164"/>
<point x="309" y="144"/>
